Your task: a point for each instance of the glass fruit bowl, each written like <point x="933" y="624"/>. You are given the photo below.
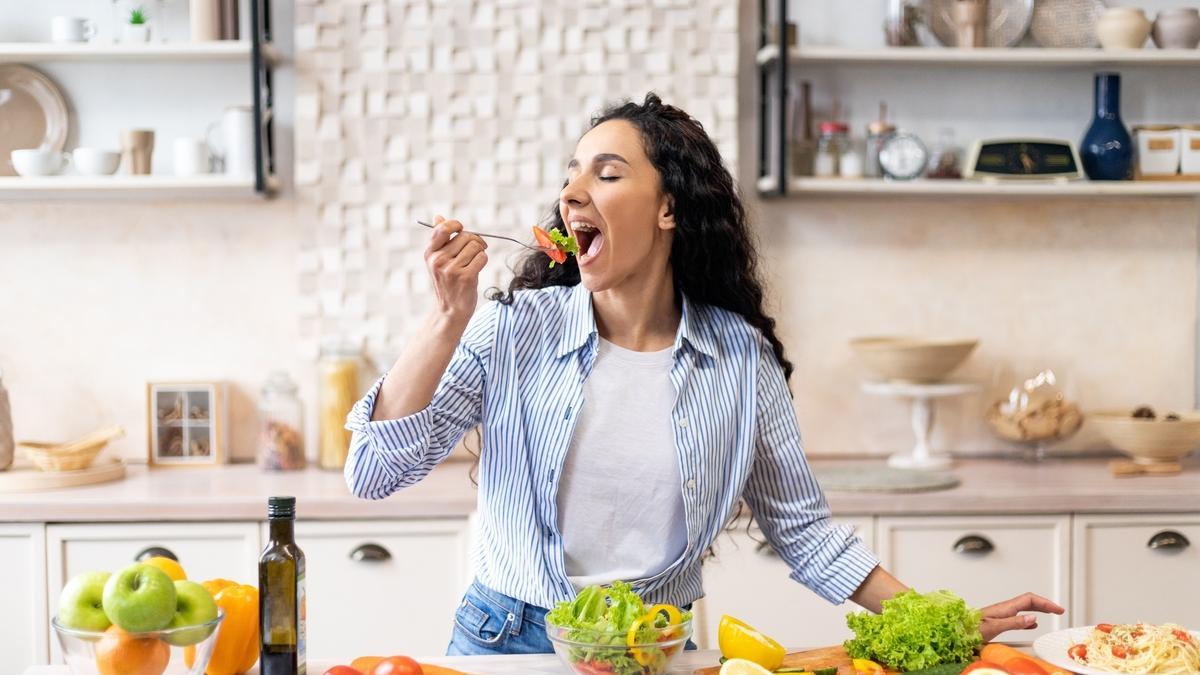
<point x="184" y="650"/>
<point x="590" y="652"/>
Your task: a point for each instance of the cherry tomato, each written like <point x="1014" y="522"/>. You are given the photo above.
<point x="1120" y="651"/>
<point x="1078" y="652"/>
<point x="397" y="665"/>
<point x="1104" y="627"/>
<point x="1182" y="635"/>
<point x="1020" y="666"/>
<point x="343" y="670"/>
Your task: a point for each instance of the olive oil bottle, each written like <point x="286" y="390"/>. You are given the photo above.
<point x="281" y="606"/>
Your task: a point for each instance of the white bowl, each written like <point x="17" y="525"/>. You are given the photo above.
<point x="96" y="161"/>
<point x="38" y="161"/>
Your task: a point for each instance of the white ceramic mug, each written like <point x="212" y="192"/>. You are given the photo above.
<point x="191" y="156"/>
<point x="72" y="29"/>
<point x="96" y="161"/>
<point x="236" y="151"/>
<point x="39" y="161"/>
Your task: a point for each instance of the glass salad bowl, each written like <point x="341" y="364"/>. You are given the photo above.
<point x="645" y="649"/>
<point x="183" y="651"/>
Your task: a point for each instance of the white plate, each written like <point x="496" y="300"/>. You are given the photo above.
<point x="33" y="113"/>
<point x="1053" y="647"/>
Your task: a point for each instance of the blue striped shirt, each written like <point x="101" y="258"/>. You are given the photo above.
<point x="519" y="371"/>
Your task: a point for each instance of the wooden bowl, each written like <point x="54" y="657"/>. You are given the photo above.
<point x="1149" y="441"/>
<point x="51" y="457"/>
<point x="912" y="359"/>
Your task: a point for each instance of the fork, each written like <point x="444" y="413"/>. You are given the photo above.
<point x="539" y="249"/>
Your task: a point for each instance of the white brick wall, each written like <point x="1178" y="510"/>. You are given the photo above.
<point x="407" y="108"/>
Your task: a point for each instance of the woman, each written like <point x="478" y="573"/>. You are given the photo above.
<point x="629" y="399"/>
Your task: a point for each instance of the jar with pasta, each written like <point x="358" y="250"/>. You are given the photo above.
<point x="338" y="389"/>
<point x="280" y="425"/>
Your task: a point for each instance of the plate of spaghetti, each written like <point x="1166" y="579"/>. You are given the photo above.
<point x="1157" y="649"/>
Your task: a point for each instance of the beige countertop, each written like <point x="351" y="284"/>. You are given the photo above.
<point x="239" y="492"/>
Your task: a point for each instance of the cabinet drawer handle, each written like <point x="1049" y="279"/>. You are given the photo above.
<point x="155" y="552"/>
<point x="370" y="553"/>
<point x="1168" y="540"/>
<point x="974" y="544"/>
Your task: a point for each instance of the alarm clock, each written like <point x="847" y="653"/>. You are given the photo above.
<point x="903" y="156"/>
<point x="1024" y="159"/>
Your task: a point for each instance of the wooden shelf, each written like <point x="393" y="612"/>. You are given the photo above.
<point x="983" y="56"/>
<point x="972" y="188"/>
<point x="14" y="188"/>
<point x="39" y="52"/>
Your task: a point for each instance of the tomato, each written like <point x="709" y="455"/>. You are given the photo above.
<point x="984" y="668"/>
<point x="543" y="240"/>
<point x="1104" y="627"/>
<point x="1078" y="652"/>
<point x="1182" y="635"/>
<point x="397" y="665"/>
<point x="343" y="670"/>
<point x="1120" y="651"/>
<point x="1023" y="666"/>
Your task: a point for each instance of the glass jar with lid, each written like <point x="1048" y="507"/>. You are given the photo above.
<point x="832" y="144"/>
<point x="338" y="390"/>
<point x="280" y="425"/>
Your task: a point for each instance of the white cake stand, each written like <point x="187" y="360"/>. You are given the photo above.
<point x="922" y="397"/>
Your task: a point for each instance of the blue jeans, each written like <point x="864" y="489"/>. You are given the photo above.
<point x="491" y="623"/>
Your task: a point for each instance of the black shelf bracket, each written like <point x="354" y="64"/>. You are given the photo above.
<point x="772" y="99"/>
<point x="263" y="70"/>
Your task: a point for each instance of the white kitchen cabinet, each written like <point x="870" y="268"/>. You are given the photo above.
<point x="1140" y="567"/>
<point x="750" y="582"/>
<point x="23" y="642"/>
<point x="206" y="551"/>
<point x="984" y="559"/>
<point x="382" y="587"/>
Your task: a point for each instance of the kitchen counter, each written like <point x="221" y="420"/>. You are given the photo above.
<point x="239" y="492"/>
<point x="533" y="664"/>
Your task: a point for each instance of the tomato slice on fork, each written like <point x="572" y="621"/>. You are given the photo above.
<point x="543" y="239"/>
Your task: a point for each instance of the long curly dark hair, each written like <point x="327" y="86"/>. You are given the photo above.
<point x="713" y="256"/>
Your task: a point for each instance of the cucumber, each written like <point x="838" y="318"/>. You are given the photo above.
<point x="943" y="669"/>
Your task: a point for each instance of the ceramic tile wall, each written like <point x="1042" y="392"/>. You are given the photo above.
<point x="409" y="108"/>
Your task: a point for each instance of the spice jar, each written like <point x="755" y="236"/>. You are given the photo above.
<point x="280" y="425"/>
<point x="338" y="389"/>
<point x="832" y="144"/>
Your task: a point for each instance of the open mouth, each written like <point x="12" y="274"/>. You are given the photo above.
<point x="590" y="238"/>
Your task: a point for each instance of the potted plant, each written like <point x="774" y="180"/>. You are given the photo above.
<point x="136" y="29"/>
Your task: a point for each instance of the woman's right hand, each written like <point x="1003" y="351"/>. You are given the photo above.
<point x="455" y="259"/>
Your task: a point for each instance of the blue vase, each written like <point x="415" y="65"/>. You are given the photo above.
<point x="1107" y="149"/>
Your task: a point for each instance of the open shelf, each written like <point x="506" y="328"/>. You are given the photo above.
<point x="40" y="52"/>
<point x="982" y="56"/>
<point x="14" y="188"/>
<point x="974" y="188"/>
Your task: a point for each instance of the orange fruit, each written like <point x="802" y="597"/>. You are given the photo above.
<point x="119" y="653"/>
<point x="172" y="568"/>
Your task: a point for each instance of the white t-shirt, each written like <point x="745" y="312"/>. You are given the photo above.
<point x="620" y="497"/>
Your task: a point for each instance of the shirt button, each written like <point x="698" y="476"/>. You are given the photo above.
<point x="691" y="484"/>
<point x="683" y="422"/>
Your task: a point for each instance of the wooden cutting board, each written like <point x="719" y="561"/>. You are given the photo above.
<point x="811" y="659"/>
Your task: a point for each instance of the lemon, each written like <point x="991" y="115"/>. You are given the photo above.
<point x="739" y="641"/>
<point x="172" y="569"/>
<point x="743" y="667"/>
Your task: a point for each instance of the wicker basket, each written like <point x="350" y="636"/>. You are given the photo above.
<point x="73" y="456"/>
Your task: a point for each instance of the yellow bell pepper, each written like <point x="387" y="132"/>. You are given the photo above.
<point x="644" y="656"/>
<point x="236" y="650"/>
<point x="866" y="667"/>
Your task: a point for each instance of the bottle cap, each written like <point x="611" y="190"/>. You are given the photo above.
<point x="281" y="508"/>
<point x="833" y="128"/>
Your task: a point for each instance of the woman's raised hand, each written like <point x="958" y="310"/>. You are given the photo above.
<point x="454" y="259"/>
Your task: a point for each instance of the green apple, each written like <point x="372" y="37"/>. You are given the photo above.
<point x="80" y="604"/>
<point x="194" y="605"/>
<point x="139" y="598"/>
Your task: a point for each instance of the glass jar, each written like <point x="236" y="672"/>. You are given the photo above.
<point x="833" y="142"/>
<point x="280" y="425"/>
<point x="877" y="134"/>
<point x="944" y="160"/>
<point x="338" y="391"/>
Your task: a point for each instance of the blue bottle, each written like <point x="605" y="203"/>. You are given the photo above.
<point x="1107" y="149"/>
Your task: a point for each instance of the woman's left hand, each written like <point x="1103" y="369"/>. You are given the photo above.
<point x="1006" y="616"/>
